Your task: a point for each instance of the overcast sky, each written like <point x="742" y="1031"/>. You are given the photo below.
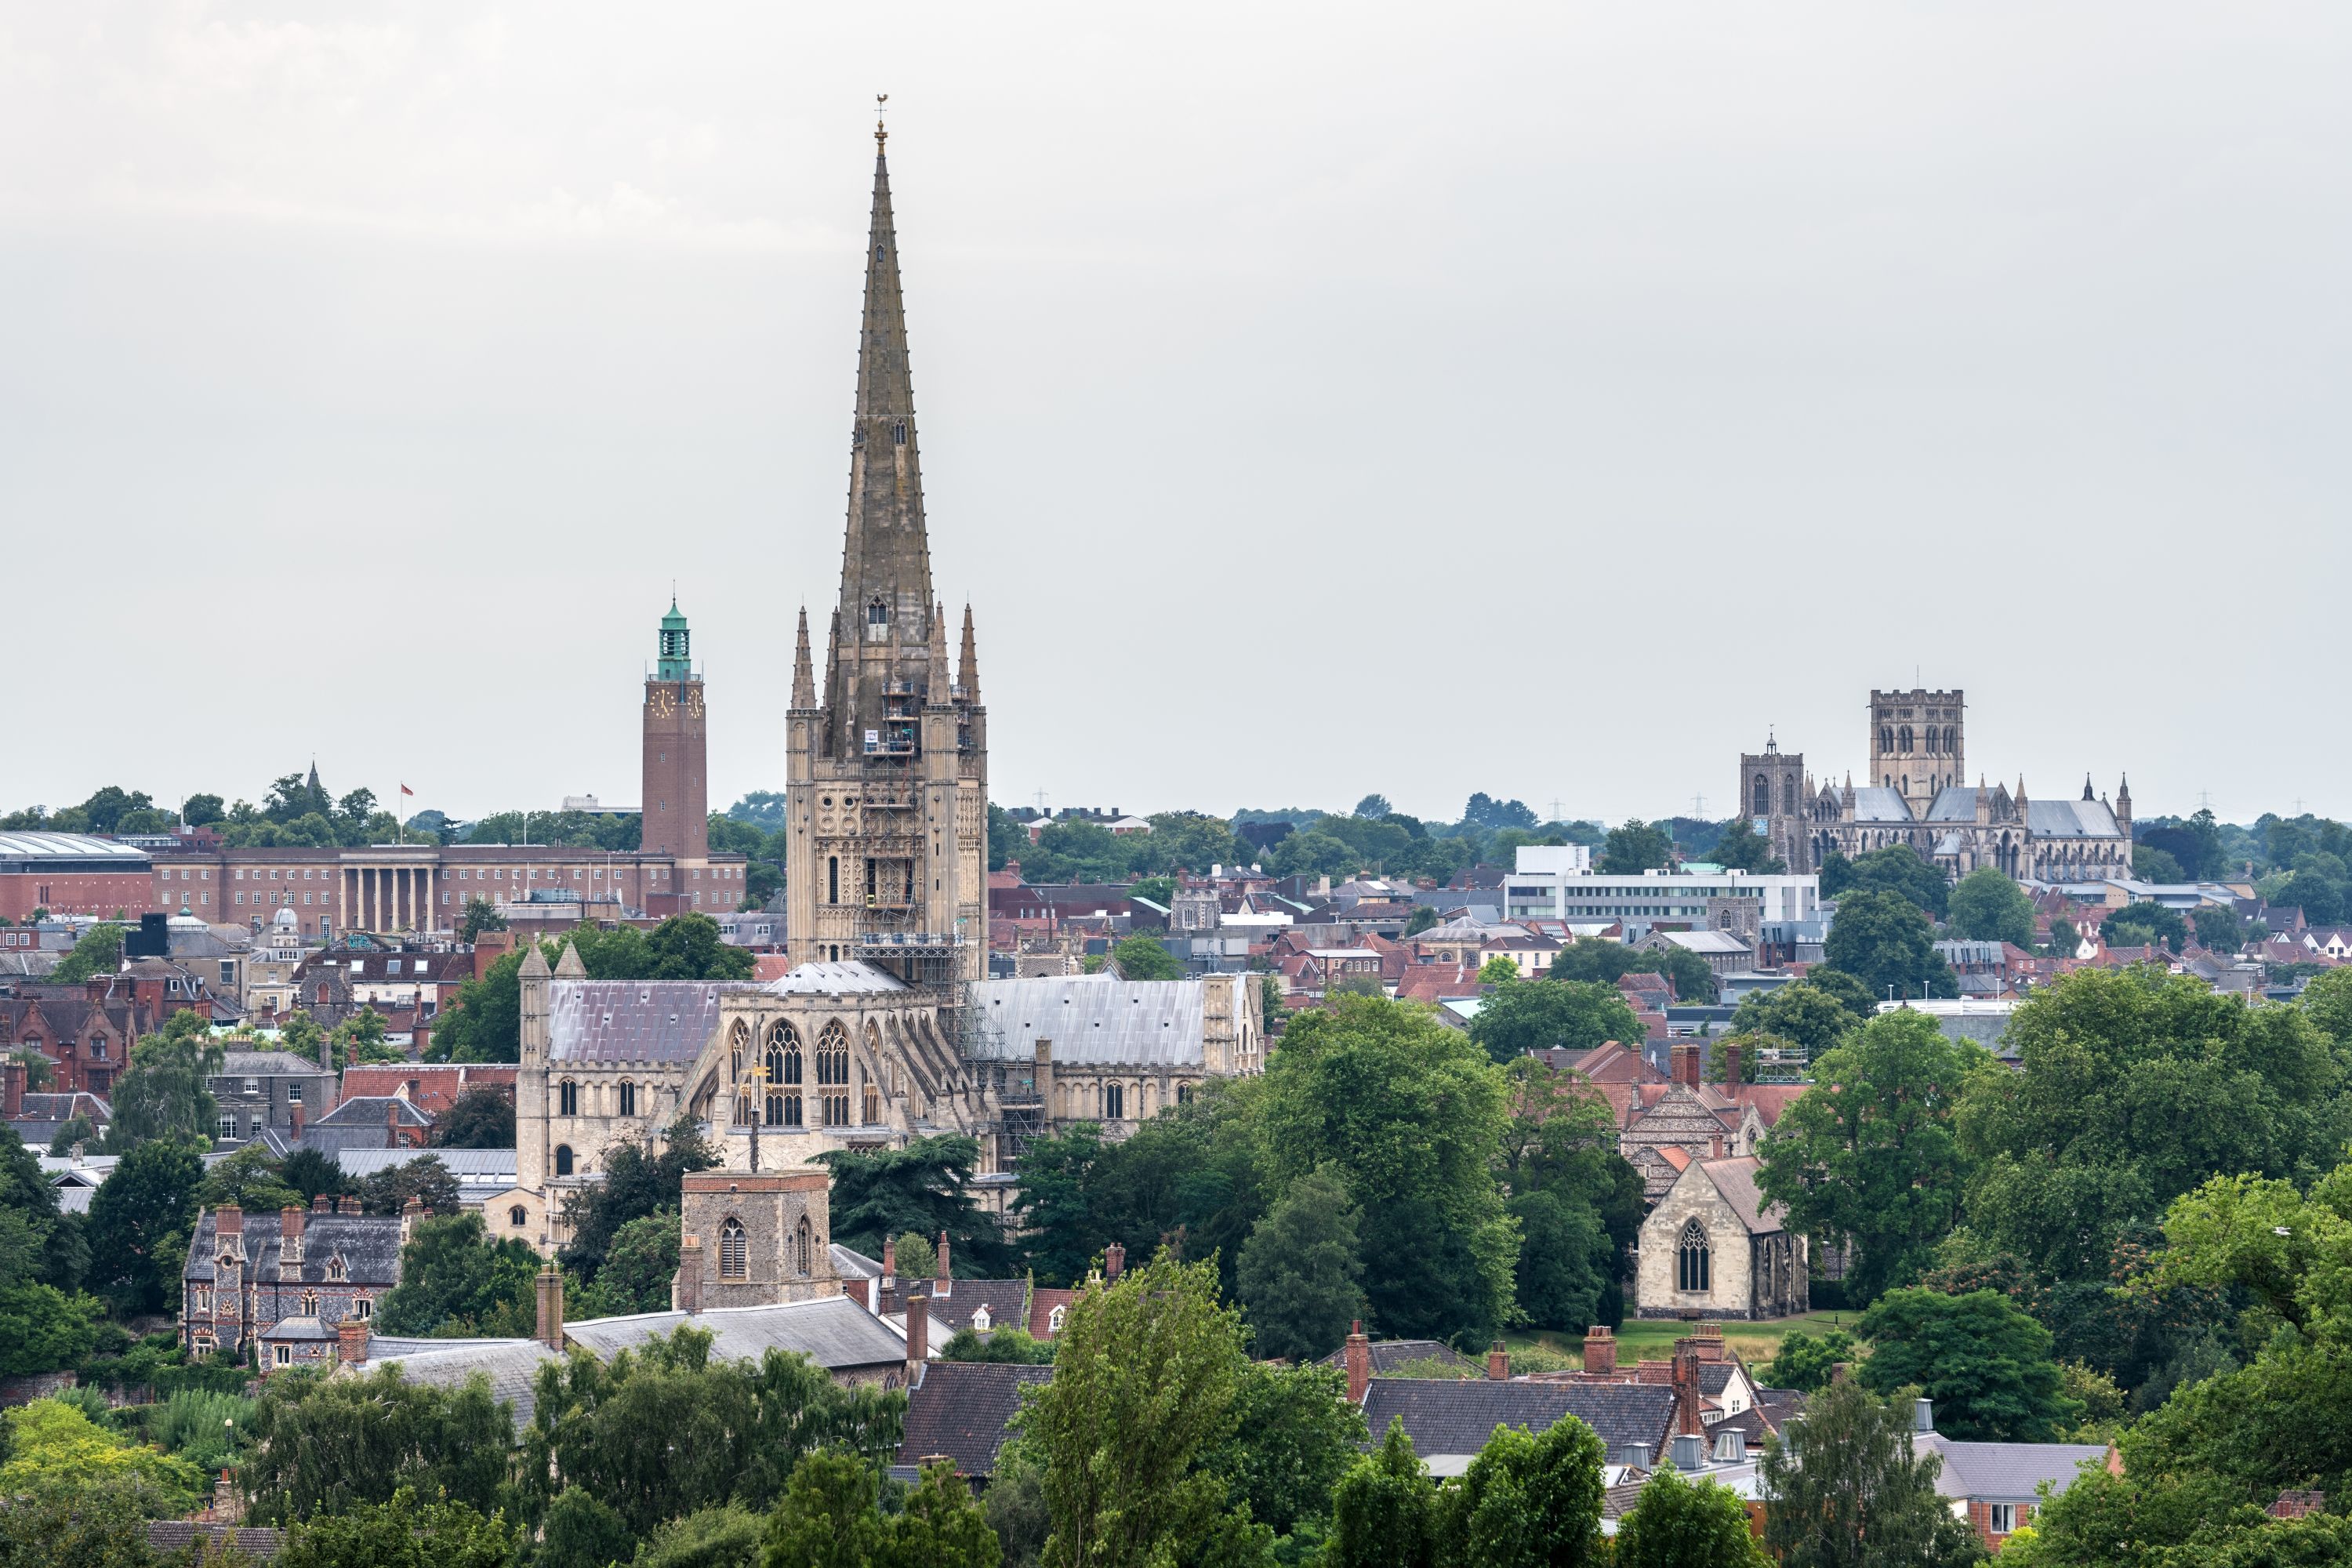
<point x="1315" y="399"/>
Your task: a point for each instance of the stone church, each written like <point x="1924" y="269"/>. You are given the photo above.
<point x="1915" y="794"/>
<point x="883" y="1029"/>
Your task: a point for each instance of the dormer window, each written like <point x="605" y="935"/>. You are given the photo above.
<point x="335" y="1270"/>
<point x="981" y="1320"/>
<point x="1053" y="1320"/>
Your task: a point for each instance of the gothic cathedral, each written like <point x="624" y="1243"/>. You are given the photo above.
<point x="887" y="766"/>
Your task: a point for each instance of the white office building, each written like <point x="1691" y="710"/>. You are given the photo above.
<point x="1541" y="889"/>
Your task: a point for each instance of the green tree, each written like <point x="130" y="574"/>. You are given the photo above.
<point x="1987" y="907"/>
<point x="481" y="1118"/>
<point x="1143" y="958"/>
<point x="1412" y="1114"/>
<point x="72" y="1130"/>
<point x="925" y="1187"/>
<point x="686" y="947"/>
<point x="1384" y="1510"/>
<point x="1008" y="1346"/>
<point x="1805" y="1013"/>
<point x="660" y="1431"/>
<point x="727" y="1536"/>
<point x="1636" y="846"/>
<point x="1805" y="1360"/>
<point x="579" y="1532"/>
<point x="1145" y="1381"/>
<point x="1884" y="941"/>
<point x="1845" y="1490"/>
<point x="2135" y="1087"/>
<point x="99" y="950"/>
<point x="1526" y="1501"/>
<point x="311" y="1173"/>
<point x="1294" y="1436"/>
<point x="1742" y="849"/>
<point x="830" y="1518"/>
<point x="1518" y="1017"/>
<point x="1868" y="1156"/>
<point x="139" y="1223"/>
<point x="2150" y="864"/>
<point x="1851" y="994"/>
<point x="424" y="1178"/>
<point x="252" y="1178"/>
<point x="1985" y="1364"/>
<point x="1578" y="1203"/>
<point x="2144" y="925"/>
<point x="404" y="1532"/>
<point x="455" y="1279"/>
<point x="52" y="1444"/>
<point x="42" y="1329"/>
<point x="640" y="1179"/>
<point x="1314" y="854"/>
<point x="2217" y="928"/>
<point x="164" y="1093"/>
<point x="1300" y="1276"/>
<point x="1424" y="916"/>
<point x="203" y="810"/>
<point x="1055" y="1201"/>
<point x="484" y="1023"/>
<point x="1899" y="870"/>
<point x="360" y="1039"/>
<point x="1677" y="1524"/>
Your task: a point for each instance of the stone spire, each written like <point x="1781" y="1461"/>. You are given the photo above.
<point x="940" y="695"/>
<point x="886" y="554"/>
<point x="569" y="966"/>
<point x="803" y="678"/>
<point x="968" y="669"/>
<point x="534" y="963"/>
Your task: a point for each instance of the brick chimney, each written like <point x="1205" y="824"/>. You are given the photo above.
<point x="290" y="1245"/>
<point x="392" y="1123"/>
<point x="1710" y="1342"/>
<point x="13" y="1076"/>
<point x="919" y="1333"/>
<point x="347" y="1204"/>
<point x="323" y="1203"/>
<point x="1686" y="1384"/>
<point x="410" y="1213"/>
<point x="1600" y="1352"/>
<point x="943" y="1271"/>
<point x="1732" y="1052"/>
<point x="1358" y="1359"/>
<point x="1499" y="1362"/>
<point x="686" y="1290"/>
<point x="1684" y="1062"/>
<point x="889" y="1261"/>
<point x="295" y="1112"/>
<point x="231" y="1221"/>
<point x="351" y="1341"/>
<point x="551" y="1305"/>
<point x="1114" y="1263"/>
<point x="1715" y="1146"/>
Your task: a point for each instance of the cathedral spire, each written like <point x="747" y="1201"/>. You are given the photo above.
<point x="939" y="657"/>
<point x="968" y="669"/>
<point x="803" y="678"/>
<point x="885" y="565"/>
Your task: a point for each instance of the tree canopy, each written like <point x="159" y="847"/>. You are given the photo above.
<point x="1522" y="1015"/>
<point x="1884" y="941"/>
<point x="1986" y="906"/>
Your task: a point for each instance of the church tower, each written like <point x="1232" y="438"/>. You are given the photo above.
<point x="887" y="759"/>
<point x="1918" y="744"/>
<point x="676" y="801"/>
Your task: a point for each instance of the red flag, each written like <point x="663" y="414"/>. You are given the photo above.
<point x="406" y="790"/>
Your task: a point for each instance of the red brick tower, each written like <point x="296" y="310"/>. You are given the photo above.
<point x="676" y="798"/>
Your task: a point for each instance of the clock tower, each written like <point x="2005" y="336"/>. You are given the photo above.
<point x="676" y="798"/>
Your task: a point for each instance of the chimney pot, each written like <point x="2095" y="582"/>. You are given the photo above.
<point x="321" y="1203"/>
<point x="1686" y="1384"/>
<point x="686" y="1291"/>
<point x="919" y="1333"/>
<point x="890" y="1259"/>
<point x="551" y="1305"/>
<point x="1600" y="1352"/>
<point x="351" y="1341"/>
<point x="944" y="1272"/>
<point x="231" y="1221"/>
<point x="1358" y="1359"/>
<point x="1114" y="1263"/>
<point x="1499" y="1362"/>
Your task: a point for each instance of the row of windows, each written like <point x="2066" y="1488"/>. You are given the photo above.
<point x="567" y="1097"/>
<point x="735" y="1251"/>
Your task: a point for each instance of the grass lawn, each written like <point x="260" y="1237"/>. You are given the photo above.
<point x="1755" y="1343"/>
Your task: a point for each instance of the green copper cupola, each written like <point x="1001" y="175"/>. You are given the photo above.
<point x="675" y="662"/>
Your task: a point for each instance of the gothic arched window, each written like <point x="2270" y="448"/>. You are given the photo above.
<point x="628" y="1098"/>
<point x="734" y="1250"/>
<point x="833" y="1073"/>
<point x="1903" y="734"/>
<point x="802" y="1249"/>
<point x="1762" y="795"/>
<point x="873" y="1116"/>
<point x="1885" y="738"/>
<point x="898" y="433"/>
<point x="1789" y="796"/>
<point x="563" y="1159"/>
<point x="567" y="1097"/>
<point x="1692" y="1264"/>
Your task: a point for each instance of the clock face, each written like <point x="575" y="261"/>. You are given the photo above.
<point x="662" y="703"/>
<point x="694" y="700"/>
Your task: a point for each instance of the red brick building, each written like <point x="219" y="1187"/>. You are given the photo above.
<point x="72" y="874"/>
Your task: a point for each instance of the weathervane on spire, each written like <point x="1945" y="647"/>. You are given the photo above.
<point x="880" y="135"/>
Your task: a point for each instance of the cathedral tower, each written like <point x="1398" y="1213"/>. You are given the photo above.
<point x="1773" y="795"/>
<point x="887" y="759"/>
<point x="676" y="799"/>
<point x="1918" y="744"/>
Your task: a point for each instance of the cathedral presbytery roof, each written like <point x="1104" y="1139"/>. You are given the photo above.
<point x="828" y="977"/>
<point x="633" y="1020"/>
<point x="2072" y="819"/>
<point x="1092" y="1019"/>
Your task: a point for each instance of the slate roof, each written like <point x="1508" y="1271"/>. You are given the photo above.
<point x="826" y="977"/>
<point x="267" y="1063"/>
<point x="369" y="1246"/>
<point x="510" y="1367"/>
<point x="1007" y="1301"/>
<point x="2070" y="819"/>
<point x="2005" y="1472"/>
<point x="368" y="1111"/>
<point x="1876" y="803"/>
<point x="1092" y="1019"/>
<point x="298" y="1329"/>
<point x="964" y="1410"/>
<point x="1954" y="802"/>
<point x="1449" y="1418"/>
<point x="633" y="1020"/>
<point x="1387" y="1356"/>
<point x="168" y="1535"/>
<point x="833" y="1331"/>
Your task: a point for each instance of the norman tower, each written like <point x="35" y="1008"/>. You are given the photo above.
<point x="1918" y="744"/>
<point x="676" y="790"/>
<point x="1775" y="794"/>
<point x="888" y="761"/>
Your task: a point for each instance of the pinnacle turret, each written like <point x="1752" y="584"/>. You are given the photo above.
<point x="569" y="966"/>
<point x="968" y="669"/>
<point x="938" y="656"/>
<point x="803" y="677"/>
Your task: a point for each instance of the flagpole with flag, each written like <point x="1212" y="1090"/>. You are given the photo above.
<point x="400" y="824"/>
